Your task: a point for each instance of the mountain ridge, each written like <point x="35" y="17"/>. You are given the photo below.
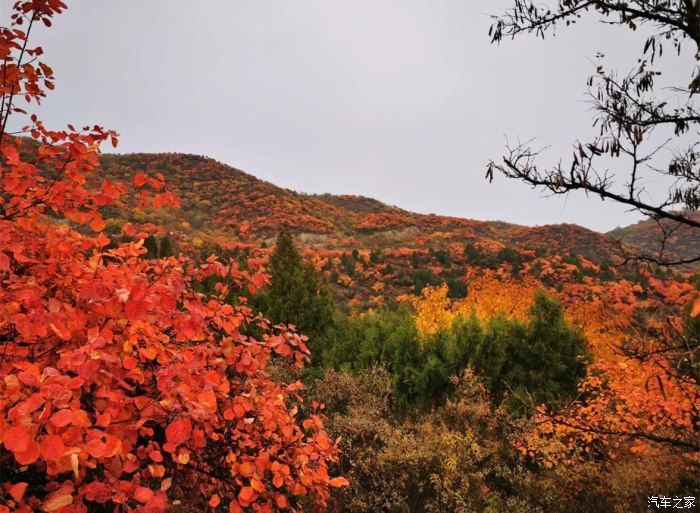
<point x="677" y="241"/>
<point x="200" y="179"/>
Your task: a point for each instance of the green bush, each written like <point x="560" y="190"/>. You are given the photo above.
<point x="540" y="360"/>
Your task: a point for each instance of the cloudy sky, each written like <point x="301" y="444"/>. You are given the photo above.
<point x="401" y="100"/>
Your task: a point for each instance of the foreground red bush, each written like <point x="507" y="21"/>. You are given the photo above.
<point x="121" y="387"/>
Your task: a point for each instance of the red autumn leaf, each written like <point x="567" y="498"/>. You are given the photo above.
<point x="161" y="200"/>
<point x="257" y="485"/>
<point x="30" y="455"/>
<point x="51" y="447"/>
<point x="260" y="279"/>
<point x="17" y="491"/>
<point x="207" y="399"/>
<point x="97" y="224"/>
<point x="98" y="492"/>
<point x="4" y="262"/>
<point x="62" y="418"/>
<point x="156" y="456"/>
<point x="140" y="179"/>
<point x="179" y="431"/>
<point x="696" y="309"/>
<point x="11" y="154"/>
<point x="17" y="439"/>
<point x="137" y="306"/>
<point x="247" y="469"/>
<point x="246" y="494"/>
<point x="60" y="329"/>
<point x="102" y="240"/>
<point x="128" y="229"/>
<point x="338" y="482"/>
<point x="96" y="448"/>
<point x="281" y="501"/>
<point x="143" y="494"/>
<point x="129" y="362"/>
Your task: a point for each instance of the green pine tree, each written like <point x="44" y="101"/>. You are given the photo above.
<point x="545" y="358"/>
<point x="296" y="294"/>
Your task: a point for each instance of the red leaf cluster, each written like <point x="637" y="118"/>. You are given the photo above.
<point x="121" y="384"/>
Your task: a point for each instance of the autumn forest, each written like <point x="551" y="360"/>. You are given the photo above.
<point x="177" y="335"/>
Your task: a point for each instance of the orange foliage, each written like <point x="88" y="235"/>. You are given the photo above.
<point x="491" y="294"/>
<point x="383" y="220"/>
<point x="433" y="310"/>
<point x="120" y="383"/>
<point x="628" y="406"/>
<point x="643" y="405"/>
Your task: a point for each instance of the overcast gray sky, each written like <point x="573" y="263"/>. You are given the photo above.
<point x="401" y="100"/>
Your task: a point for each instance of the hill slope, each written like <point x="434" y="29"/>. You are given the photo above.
<point x="218" y="199"/>
<point x="681" y="242"/>
<point x="371" y="253"/>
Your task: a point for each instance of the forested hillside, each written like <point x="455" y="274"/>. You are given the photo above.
<point x="673" y="241"/>
<point x="216" y="198"/>
<point x="370" y="252"/>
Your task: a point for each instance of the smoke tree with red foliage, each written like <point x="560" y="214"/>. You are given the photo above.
<point x="120" y="385"/>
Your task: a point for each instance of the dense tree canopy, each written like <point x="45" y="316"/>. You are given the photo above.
<point x="538" y="359"/>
